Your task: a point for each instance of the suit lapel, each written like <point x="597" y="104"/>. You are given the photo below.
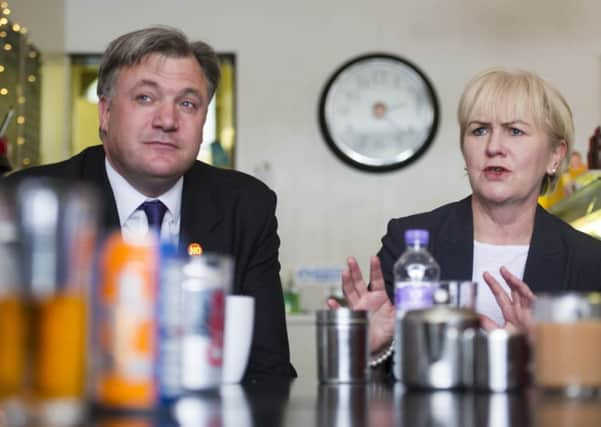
<point x="202" y="209"/>
<point x="454" y="246"/>
<point x="94" y="171"/>
<point x="544" y="266"/>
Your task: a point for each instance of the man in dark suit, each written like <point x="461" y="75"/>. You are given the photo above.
<point x="154" y="89"/>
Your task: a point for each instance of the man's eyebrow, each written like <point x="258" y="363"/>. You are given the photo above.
<point x="191" y="91"/>
<point x="145" y="82"/>
<point x="184" y="92"/>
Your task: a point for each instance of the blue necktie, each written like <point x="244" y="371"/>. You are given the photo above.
<point x="155" y="211"/>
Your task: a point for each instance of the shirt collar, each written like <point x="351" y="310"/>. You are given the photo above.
<point x="128" y="199"/>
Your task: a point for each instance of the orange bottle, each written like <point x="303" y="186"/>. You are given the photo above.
<point x="12" y="310"/>
<point x="60" y="341"/>
<point x="12" y="346"/>
<point x="125" y="325"/>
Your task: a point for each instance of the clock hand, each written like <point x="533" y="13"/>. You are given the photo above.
<point x="394" y="124"/>
<point x="397" y="106"/>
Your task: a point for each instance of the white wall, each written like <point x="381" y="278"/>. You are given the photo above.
<point x="287" y="50"/>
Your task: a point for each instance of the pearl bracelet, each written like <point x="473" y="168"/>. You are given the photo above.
<point x="382" y="356"/>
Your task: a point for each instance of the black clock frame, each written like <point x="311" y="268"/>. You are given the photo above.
<point x="330" y="140"/>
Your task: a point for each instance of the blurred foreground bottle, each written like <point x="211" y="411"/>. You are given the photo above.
<point x="124" y="325"/>
<point x="12" y="311"/>
<point x="58" y="227"/>
<point x="413" y="273"/>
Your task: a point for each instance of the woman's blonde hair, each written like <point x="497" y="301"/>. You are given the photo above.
<point x="512" y="94"/>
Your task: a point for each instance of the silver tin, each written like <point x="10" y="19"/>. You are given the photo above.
<point x="342" y="345"/>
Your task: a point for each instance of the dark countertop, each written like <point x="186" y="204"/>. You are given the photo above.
<point x="305" y="403"/>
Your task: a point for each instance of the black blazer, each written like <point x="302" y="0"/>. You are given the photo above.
<point x="559" y="258"/>
<point x="226" y="212"/>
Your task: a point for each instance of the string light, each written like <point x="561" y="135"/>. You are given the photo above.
<point x="7" y="46"/>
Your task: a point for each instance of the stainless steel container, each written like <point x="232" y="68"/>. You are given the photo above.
<point x="501" y="360"/>
<point x="567" y="343"/>
<point x="342" y="345"/>
<point x="437" y="342"/>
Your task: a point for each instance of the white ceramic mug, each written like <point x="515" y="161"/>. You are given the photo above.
<point x="239" y="319"/>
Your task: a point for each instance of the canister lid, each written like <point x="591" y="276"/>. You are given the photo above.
<point x="341" y="316"/>
<point x="442" y="311"/>
<point x="443" y="314"/>
<point x="567" y="307"/>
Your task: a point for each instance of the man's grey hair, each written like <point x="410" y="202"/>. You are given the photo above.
<point x="131" y="48"/>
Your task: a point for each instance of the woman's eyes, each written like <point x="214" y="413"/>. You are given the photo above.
<point x="479" y="131"/>
<point x="484" y="130"/>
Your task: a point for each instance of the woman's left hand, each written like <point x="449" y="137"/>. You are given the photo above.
<point x="516" y="308"/>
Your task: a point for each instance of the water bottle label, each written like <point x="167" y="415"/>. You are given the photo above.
<point x="412" y="296"/>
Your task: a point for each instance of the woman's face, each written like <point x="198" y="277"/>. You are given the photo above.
<point x="506" y="159"/>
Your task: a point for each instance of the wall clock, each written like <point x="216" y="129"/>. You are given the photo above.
<point x="378" y="112"/>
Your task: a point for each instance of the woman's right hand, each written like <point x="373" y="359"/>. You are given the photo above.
<point x="375" y="301"/>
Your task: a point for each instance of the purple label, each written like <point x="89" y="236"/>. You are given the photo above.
<point x="412" y="296"/>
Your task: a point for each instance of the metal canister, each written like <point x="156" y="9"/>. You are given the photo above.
<point x="501" y="360"/>
<point x="342" y="345"/>
<point x="436" y="345"/>
<point x="567" y="343"/>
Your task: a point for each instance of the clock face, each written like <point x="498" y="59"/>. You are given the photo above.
<point x="378" y="112"/>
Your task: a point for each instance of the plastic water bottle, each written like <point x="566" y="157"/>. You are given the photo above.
<point x="414" y="273"/>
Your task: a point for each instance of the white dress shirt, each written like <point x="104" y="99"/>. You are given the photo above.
<point x="490" y="258"/>
<point x="133" y="221"/>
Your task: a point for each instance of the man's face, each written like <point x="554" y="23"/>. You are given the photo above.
<point x="152" y="122"/>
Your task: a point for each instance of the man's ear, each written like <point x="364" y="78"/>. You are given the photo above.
<point x="104" y="111"/>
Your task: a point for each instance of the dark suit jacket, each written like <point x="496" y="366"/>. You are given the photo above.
<point x="559" y="258"/>
<point x="226" y="212"/>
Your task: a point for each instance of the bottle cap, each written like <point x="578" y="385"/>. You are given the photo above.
<point x="416" y="235"/>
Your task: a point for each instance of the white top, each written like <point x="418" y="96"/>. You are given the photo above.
<point x="133" y="221"/>
<point x="491" y="258"/>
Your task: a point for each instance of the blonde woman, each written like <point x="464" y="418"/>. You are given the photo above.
<point x="515" y="131"/>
